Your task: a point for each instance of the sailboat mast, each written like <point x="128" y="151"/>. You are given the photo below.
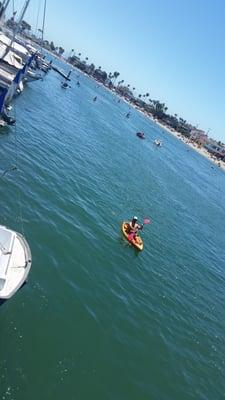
<point x="4" y="6"/>
<point x="37" y="21"/>
<point x="43" y="24"/>
<point x="16" y="30"/>
<point x="22" y="14"/>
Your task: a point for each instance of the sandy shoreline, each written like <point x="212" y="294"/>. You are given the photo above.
<point x="177" y="135"/>
<point x="194" y="146"/>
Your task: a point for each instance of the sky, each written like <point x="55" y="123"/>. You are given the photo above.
<point x="173" y="49"/>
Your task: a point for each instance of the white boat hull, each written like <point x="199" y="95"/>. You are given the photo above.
<point x="15" y="262"/>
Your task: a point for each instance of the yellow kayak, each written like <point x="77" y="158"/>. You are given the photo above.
<point x="137" y="243"/>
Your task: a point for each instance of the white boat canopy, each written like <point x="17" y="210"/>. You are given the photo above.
<point x="30" y="48"/>
<point x="11" y="58"/>
<point x="16" y="46"/>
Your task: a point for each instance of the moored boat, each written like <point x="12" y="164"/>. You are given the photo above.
<point x="15" y="262"/>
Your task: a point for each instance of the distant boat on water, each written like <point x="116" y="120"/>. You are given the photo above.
<point x="141" y="135"/>
<point x="65" y="85"/>
<point x="158" y="142"/>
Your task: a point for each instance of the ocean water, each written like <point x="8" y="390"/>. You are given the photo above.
<point x="97" y="320"/>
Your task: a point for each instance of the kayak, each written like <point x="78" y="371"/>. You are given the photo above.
<point x="137" y="243"/>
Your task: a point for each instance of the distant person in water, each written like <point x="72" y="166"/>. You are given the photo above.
<point x="134" y="227"/>
<point x="128" y="115"/>
<point x="95" y="98"/>
<point x="64" y="85"/>
<point x="118" y="101"/>
<point x="78" y="83"/>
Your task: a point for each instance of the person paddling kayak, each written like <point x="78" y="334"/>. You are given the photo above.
<point x="130" y="231"/>
<point x="134" y="227"/>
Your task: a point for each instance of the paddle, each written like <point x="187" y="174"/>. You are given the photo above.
<point x="131" y="235"/>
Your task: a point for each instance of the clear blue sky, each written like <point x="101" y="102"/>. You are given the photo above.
<point x="173" y="49"/>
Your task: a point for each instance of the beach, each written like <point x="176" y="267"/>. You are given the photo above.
<point x="200" y="149"/>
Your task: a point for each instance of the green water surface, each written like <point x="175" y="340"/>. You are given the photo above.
<point x="97" y="320"/>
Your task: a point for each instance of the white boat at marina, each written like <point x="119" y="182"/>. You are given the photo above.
<point x="19" y="62"/>
<point x="15" y="262"/>
<point x="32" y="76"/>
<point x="20" y="87"/>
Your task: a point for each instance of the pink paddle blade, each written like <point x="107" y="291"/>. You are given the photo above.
<point x="146" y="221"/>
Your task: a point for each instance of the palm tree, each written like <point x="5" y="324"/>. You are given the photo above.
<point x="115" y="75"/>
<point x="61" y="50"/>
<point x="91" y="68"/>
<point x="71" y="53"/>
